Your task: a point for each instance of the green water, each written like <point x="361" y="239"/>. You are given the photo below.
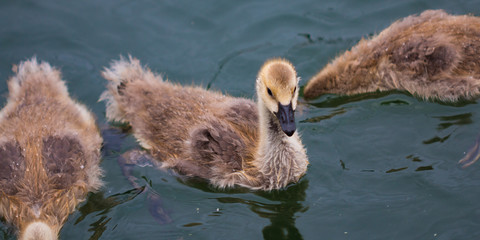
<point x="383" y="166"/>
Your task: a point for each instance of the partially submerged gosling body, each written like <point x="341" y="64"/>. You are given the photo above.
<point x="49" y="152"/>
<point x="229" y="141"/>
<point x="433" y="56"/>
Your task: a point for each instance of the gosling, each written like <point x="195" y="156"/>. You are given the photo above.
<point x="432" y="56"/>
<point x="228" y="141"/>
<point x="49" y="152"/>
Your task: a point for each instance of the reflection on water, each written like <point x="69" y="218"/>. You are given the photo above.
<point x="411" y="157"/>
<point x="98" y="227"/>
<point x="7" y="232"/>
<point x="96" y="202"/>
<point x="113" y="138"/>
<point x="436" y="139"/>
<point x="394" y="102"/>
<point x="333" y="113"/>
<point x="472" y="155"/>
<point x="156" y="209"/>
<point x="192" y="224"/>
<point x="448" y="121"/>
<point x="396" y="170"/>
<point x="418" y="169"/>
<point x="282" y="214"/>
<point x="414" y="159"/>
<point x="139" y="158"/>
<point x="424" y="168"/>
<point x="342" y="164"/>
<point x="333" y="101"/>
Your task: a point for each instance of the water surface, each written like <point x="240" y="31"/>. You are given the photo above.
<point x="383" y="165"/>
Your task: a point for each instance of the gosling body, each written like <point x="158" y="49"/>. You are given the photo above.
<point x="49" y="152"/>
<point x="229" y="141"/>
<point x="433" y="55"/>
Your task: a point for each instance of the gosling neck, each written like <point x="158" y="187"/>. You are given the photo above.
<point x="270" y="129"/>
<point x="275" y="153"/>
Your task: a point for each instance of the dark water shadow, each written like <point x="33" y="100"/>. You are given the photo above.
<point x="459" y="119"/>
<point x="97" y="202"/>
<point x="281" y="214"/>
<point x="7" y="231"/>
<point x="113" y="140"/>
<point x="436" y="139"/>
<point x="447" y="122"/>
<point x="289" y="201"/>
<point x="332" y="114"/>
<point x="127" y="162"/>
<point x="333" y="100"/>
<point x="413" y="162"/>
<point x="114" y="137"/>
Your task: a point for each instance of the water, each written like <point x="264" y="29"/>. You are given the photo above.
<point x="383" y="166"/>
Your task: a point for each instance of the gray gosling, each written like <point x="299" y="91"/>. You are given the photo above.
<point x="49" y="152"/>
<point x="432" y="56"/>
<point x="229" y="141"/>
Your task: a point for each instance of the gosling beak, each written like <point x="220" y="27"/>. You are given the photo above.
<point x="286" y="117"/>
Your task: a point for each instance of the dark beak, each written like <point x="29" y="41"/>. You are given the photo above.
<point x="286" y="117"/>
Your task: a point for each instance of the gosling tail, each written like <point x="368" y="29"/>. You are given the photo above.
<point x="120" y="74"/>
<point x="33" y="79"/>
<point x="38" y="231"/>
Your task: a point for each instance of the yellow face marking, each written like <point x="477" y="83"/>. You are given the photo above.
<point x="280" y="77"/>
<point x="284" y="96"/>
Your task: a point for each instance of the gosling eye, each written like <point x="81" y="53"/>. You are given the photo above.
<point x="269" y="92"/>
<point x="295" y="89"/>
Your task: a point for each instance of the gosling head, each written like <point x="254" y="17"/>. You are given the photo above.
<point x="277" y="88"/>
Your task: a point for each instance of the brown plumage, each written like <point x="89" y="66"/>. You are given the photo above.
<point x="230" y="141"/>
<point x="432" y="56"/>
<point x="49" y="152"/>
